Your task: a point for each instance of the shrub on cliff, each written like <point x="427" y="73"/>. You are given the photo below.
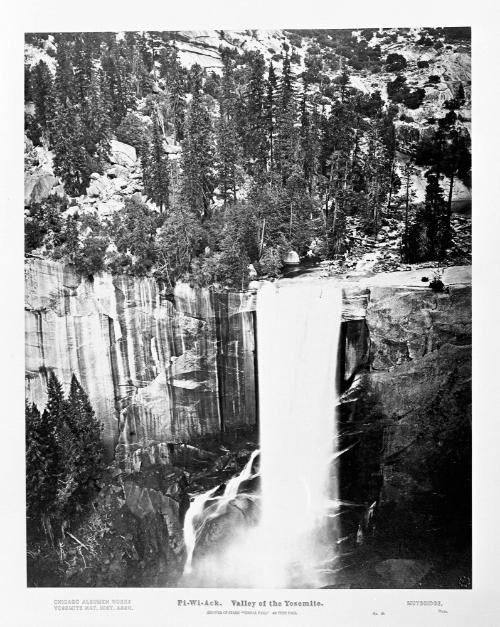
<point x="134" y="234"/>
<point x="44" y="219"/>
<point x="395" y="62"/>
<point x="399" y="92"/>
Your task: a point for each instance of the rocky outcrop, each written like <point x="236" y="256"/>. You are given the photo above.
<point x="38" y="186"/>
<point x="409" y="409"/>
<point x="157" y="369"/>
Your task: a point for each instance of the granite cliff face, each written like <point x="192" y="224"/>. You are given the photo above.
<point x="155" y="369"/>
<point x="407" y="414"/>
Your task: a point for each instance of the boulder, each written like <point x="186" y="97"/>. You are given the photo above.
<point x="117" y="171"/>
<point x="291" y="259"/>
<point x="38" y="186"/>
<point x="100" y="187"/>
<point x="122" y="154"/>
<point x="171" y="149"/>
<point x="109" y="207"/>
<point x="120" y="183"/>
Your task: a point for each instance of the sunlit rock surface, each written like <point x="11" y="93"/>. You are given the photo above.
<point x="156" y="370"/>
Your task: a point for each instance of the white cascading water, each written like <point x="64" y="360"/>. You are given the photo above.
<point x="193" y="520"/>
<point x="191" y="525"/>
<point x="298" y="326"/>
<point x="233" y="484"/>
<point x="293" y="545"/>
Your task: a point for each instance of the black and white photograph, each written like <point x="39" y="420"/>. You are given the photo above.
<point x="240" y="384"/>
<point x="248" y="308"/>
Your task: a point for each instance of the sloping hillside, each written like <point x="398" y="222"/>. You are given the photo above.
<point x="201" y="124"/>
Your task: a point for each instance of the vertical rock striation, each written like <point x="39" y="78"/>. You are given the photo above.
<point x="156" y="369"/>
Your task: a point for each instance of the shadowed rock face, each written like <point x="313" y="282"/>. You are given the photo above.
<point x="154" y="370"/>
<point x="407" y="414"/>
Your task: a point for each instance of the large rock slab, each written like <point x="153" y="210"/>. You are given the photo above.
<point x="38" y="186"/>
<point x="122" y="154"/>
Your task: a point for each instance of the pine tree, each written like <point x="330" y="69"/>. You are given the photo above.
<point x="309" y="140"/>
<point x="86" y="462"/>
<point x="56" y="404"/>
<point x="64" y="83"/>
<point x="198" y="152"/>
<point x="83" y="67"/>
<point x="270" y="112"/>
<point x="71" y="160"/>
<point x="286" y="83"/>
<point x="42" y="466"/>
<point x="96" y="122"/>
<point x="287" y="136"/>
<point x="447" y="152"/>
<point x="339" y="144"/>
<point x="228" y="155"/>
<point x="54" y="423"/>
<point x="256" y="139"/>
<point x="429" y="234"/>
<point x="408" y="172"/>
<point x="64" y="455"/>
<point x="378" y="175"/>
<point x="343" y="82"/>
<point x="41" y="89"/>
<point x="177" y="242"/>
<point x="175" y="82"/>
<point x="28" y="87"/>
<point x="119" y="82"/>
<point x="156" y="170"/>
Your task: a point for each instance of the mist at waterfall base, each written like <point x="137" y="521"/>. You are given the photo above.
<point x="283" y="535"/>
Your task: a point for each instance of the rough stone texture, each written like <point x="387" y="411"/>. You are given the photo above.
<point x="38" y="186"/>
<point x="154" y="370"/>
<point x="407" y="324"/>
<point x="122" y="154"/>
<point x="409" y="407"/>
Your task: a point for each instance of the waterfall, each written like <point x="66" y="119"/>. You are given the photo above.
<point x="293" y="543"/>
<point x="194" y="520"/>
<point x="298" y="327"/>
<point x="191" y="524"/>
<point x="233" y="484"/>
